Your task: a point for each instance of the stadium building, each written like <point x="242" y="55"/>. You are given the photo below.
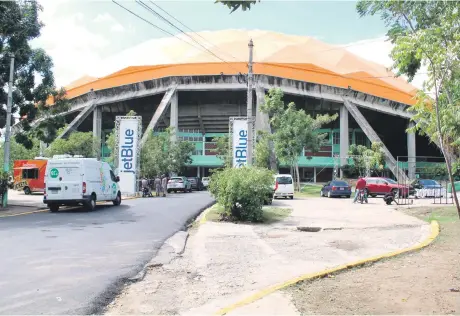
<point x="196" y="91"/>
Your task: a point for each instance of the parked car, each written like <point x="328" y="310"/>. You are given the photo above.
<point x="381" y="186"/>
<point x="74" y="181"/>
<point x="336" y="188"/>
<point x="176" y="184"/>
<point x="205" y="182"/>
<point x="427" y="184"/>
<point x="196" y="183"/>
<point x="284" y="186"/>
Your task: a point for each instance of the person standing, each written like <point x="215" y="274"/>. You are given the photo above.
<point x="157" y="185"/>
<point x="164" y="185"/>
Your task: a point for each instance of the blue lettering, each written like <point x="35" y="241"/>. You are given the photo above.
<point x="241" y="148"/>
<point x="127" y="151"/>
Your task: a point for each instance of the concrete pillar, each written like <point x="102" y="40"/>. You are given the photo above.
<point x="174" y="120"/>
<point x="411" y="153"/>
<point x="97" y="131"/>
<point x="314" y="174"/>
<point x="344" y="135"/>
<point x="198" y="172"/>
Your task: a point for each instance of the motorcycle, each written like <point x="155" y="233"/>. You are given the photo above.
<point x="146" y="192"/>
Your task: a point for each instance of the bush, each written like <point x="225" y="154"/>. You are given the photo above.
<point x="242" y="192"/>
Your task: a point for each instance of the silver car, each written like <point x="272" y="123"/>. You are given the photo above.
<point x="179" y="184"/>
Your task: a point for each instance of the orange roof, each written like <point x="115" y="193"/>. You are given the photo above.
<point x="275" y="54"/>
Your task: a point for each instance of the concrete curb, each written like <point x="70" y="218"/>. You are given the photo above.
<point x="172" y="247"/>
<point x="311" y="276"/>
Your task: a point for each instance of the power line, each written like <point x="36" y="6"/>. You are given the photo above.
<point x="191" y="30"/>
<point x="145" y="6"/>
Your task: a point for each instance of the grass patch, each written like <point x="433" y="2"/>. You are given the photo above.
<point x="311" y="190"/>
<point x="271" y="214"/>
<point x="442" y="215"/>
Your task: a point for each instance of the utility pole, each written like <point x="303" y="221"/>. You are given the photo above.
<point x="249" y="106"/>
<point x="6" y="161"/>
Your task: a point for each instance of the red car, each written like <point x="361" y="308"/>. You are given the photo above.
<point x="382" y="186"/>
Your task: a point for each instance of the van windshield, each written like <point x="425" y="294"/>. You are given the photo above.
<point x="284" y="180"/>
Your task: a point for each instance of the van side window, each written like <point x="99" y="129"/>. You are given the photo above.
<point x="112" y="176"/>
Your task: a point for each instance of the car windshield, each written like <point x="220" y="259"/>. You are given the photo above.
<point x="429" y="182"/>
<point x="390" y="181"/>
<point x="284" y="180"/>
<point x="192" y="180"/>
<point x="205" y="179"/>
<point x="176" y="179"/>
<point x="339" y="183"/>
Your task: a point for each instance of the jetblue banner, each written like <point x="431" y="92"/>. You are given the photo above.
<point x="239" y="142"/>
<point x="128" y="138"/>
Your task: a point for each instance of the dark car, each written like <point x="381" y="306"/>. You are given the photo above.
<point x="421" y="184"/>
<point x="336" y="188"/>
<point x="196" y="183"/>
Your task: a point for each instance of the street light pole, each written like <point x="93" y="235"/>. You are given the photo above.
<point x="6" y="161"/>
<point x="249" y="106"/>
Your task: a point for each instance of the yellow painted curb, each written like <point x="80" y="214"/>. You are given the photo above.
<point x="24" y="213"/>
<point x="203" y="218"/>
<point x="434" y="233"/>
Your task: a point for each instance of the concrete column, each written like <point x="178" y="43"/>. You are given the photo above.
<point x="97" y="131"/>
<point x="411" y="153"/>
<point x="198" y="172"/>
<point x="344" y="135"/>
<point x="314" y="174"/>
<point x="174" y="120"/>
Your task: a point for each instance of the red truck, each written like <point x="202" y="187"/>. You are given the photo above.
<point x="29" y="175"/>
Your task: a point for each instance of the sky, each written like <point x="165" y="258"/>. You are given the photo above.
<point x="81" y="35"/>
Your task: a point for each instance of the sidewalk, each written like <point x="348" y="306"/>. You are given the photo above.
<point x="225" y="263"/>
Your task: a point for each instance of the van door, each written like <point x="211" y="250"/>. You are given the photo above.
<point x="63" y="180"/>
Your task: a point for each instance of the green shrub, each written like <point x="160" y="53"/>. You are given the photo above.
<point x="242" y="192"/>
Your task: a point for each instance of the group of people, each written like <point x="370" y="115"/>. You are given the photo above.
<point x="160" y="184"/>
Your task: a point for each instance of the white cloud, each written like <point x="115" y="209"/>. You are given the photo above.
<point x="117" y="27"/>
<point x="378" y="50"/>
<point x="73" y="47"/>
<point x="104" y="17"/>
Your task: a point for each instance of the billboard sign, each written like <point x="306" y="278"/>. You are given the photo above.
<point x="129" y="130"/>
<point x="239" y="132"/>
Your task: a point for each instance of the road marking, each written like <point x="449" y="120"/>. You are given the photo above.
<point x="24" y="213"/>
<point x="251" y="299"/>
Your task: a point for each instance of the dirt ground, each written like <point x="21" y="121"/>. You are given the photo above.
<point x="424" y="282"/>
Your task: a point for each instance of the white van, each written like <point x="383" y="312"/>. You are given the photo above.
<point x="73" y="181"/>
<point x="284" y="186"/>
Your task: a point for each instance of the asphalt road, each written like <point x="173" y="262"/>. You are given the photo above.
<point x="74" y="262"/>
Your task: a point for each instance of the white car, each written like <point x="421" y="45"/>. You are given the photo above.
<point x="176" y="184"/>
<point x="74" y="181"/>
<point x="284" y="186"/>
<point x="205" y="182"/>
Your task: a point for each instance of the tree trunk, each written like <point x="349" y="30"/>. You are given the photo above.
<point x="298" y="177"/>
<point x="447" y="156"/>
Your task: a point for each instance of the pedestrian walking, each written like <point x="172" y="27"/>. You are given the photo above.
<point x="157" y="185"/>
<point x="164" y="185"/>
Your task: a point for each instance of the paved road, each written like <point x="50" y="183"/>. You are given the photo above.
<point x="73" y="262"/>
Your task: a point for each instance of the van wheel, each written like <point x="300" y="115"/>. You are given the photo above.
<point x="292" y="197"/>
<point x="54" y="208"/>
<point x="27" y="191"/>
<point x="117" y="200"/>
<point x="91" y="204"/>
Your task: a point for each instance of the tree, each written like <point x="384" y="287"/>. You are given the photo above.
<point x="18" y="152"/>
<point x="19" y="25"/>
<point x="235" y="5"/>
<point x="364" y="158"/>
<point x="160" y="155"/>
<point x="222" y="150"/>
<point x="427" y="33"/>
<point x="262" y="151"/>
<point x="75" y="144"/>
<point x="293" y="129"/>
